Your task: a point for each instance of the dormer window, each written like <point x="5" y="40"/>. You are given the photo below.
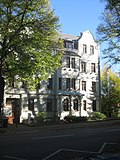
<point x="69" y="45"/>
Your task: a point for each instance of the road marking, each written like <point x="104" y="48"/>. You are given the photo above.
<point x="52" y="154"/>
<point x="71" y="150"/>
<point x="103" y="146"/>
<point x="59" y="136"/>
<point x="10" y="157"/>
<point x="113" y="130"/>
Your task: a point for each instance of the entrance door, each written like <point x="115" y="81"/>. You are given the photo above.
<point x="13" y="110"/>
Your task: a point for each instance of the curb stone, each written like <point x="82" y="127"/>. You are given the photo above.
<point x="22" y="127"/>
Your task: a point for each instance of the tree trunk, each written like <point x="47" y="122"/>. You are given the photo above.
<point x="2" y="84"/>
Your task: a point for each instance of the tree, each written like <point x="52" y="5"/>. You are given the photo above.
<point x="28" y="41"/>
<point x="109" y="31"/>
<point x="110" y="92"/>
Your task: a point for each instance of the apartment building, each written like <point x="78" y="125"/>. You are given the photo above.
<point x="74" y="89"/>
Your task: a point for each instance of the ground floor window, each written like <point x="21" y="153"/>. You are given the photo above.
<point x="49" y="105"/>
<point x="94" y="105"/>
<point x="75" y="104"/>
<point x="84" y="105"/>
<point x="66" y="104"/>
<point x="31" y="104"/>
<point x="12" y="110"/>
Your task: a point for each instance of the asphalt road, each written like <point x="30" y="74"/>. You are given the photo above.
<point x="58" y="144"/>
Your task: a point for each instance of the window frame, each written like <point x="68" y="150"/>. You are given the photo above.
<point x="60" y="84"/>
<point x="73" y="63"/>
<point x="83" y="85"/>
<point x="85" y="105"/>
<point x="67" y="62"/>
<point x="69" y="45"/>
<point x="73" y="83"/>
<point x="91" y="49"/>
<point x="93" y="68"/>
<point x="94" y="86"/>
<point x="75" y="104"/>
<point x="83" y="67"/>
<point x="66" y="104"/>
<point x="50" y="84"/>
<point x="84" y="48"/>
<point x="49" y="104"/>
<point x="94" y="106"/>
<point x="31" y="103"/>
<point x="67" y="83"/>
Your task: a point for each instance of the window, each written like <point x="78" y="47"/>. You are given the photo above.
<point x="75" y="44"/>
<point x="73" y="62"/>
<point x="83" y="66"/>
<point x="73" y="83"/>
<point x="68" y="62"/>
<point x="84" y="48"/>
<point x="69" y="45"/>
<point x="49" y="105"/>
<point x="94" y="105"/>
<point x="84" y="105"/>
<point x="31" y="104"/>
<point x="68" y="83"/>
<point x="79" y="84"/>
<point x="60" y="83"/>
<point x="84" y="85"/>
<point x="93" y="69"/>
<point x="50" y="85"/>
<point x="65" y="104"/>
<point x="75" y="104"/>
<point x="91" y="49"/>
<point x="93" y="86"/>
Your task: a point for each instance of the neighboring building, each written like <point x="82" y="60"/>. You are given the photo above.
<point x="73" y="89"/>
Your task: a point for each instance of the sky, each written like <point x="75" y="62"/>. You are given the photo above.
<point x="77" y="16"/>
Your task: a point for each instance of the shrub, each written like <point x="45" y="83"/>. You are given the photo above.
<point x="118" y="115"/>
<point x="97" y="116"/>
<point x="40" y="117"/>
<point x="73" y="119"/>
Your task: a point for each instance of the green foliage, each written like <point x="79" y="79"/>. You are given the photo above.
<point x="118" y="115"/>
<point x="40" y="117"/>
<point x="97" y="116"/>
<point x="73" y="119"/>
<point x="110" y="93"/>
<point x="109" y="31"/>
<point x="28" y="37"/>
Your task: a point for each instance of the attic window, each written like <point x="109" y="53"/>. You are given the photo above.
<point x="69" y="45"/>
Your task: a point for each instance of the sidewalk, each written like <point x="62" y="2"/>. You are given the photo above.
<point x="47" y="127"/>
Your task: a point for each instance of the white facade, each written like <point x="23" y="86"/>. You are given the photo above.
<point x="73" y="89"/>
